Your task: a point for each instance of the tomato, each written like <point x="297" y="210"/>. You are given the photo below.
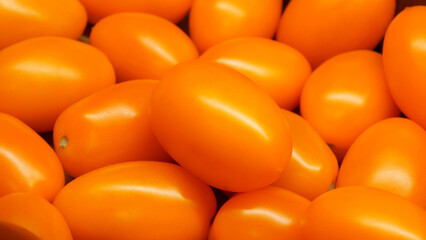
<point x="40" y="77"/>
<point x="389" y="155"/>
<point x="277" y="68"/>
<point x="110" y="126"/>
<point x="141" y="45"/>
<point x="34" y="214"/>
<point x="321" y="29"/>
<point x="27" y="162"/>
<point x="23" y="19"/>
<point x="313" y="167"/>
<point x="220" y="126"/>
<point x="150" y="200"/>
<point x="404" y="58"/>
<point x="346" y="95"/>
<point x="214" y="21"/>
<point x="354" y="213"/>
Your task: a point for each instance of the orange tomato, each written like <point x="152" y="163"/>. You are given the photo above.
<point x="107" y="127"/>
<point x="346" y="95"/>
<point x="354" y="213"/>
<point x="141" y="45"/>
<point x="149" y="200"/>
<point x="214" y="21"/>
<point x="404" y="58"/>
<point x="321" y="29"/>
<point x="33" y="215"/>
<point x="220" y="126"/>
<point x="40" y="77"/>
<point x="389" y="155"/>
<point x="270" y="213"/>
<point x="23" y="19"/>
<point x="313" y="167"/>
<point x="277" y="68"/>
<point x="27" y="162"/>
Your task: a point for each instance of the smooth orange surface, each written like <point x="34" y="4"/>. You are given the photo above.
<point x="277" y="68"/>
<point x="146" y="200"/>
<point x="110" y="126"/>
<point x="35" y="215"/>
<point x="270" y="213"/>
<point x="389" y="155"/>
<point x="23" y="19"/>
<point x="220" y="126"/>
<point x="313" y="167"/>
<point x="40" y="77"/>
<point x="27" y="162"/>
<point x="404" y="58"/>
<point x="214" y="21"/>
<point x="141" y="45"/>
<point x="321" y="29"/>
<point x="346" y="95"/>
<point x="354" y="213"/>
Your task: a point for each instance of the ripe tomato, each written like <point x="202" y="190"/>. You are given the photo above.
<point x="34" y="214"/>
<point x="354" y="213"/>
<point x="23" y="19"/>
<point x="110" y="126"/>
<point x="40" y="77"/>
<point x="270" y="213"/>
<point x="346" y="95"/>
<point x="220" y="126"/>
<point x="141" y="45"/>
<point x="150" y="200"/>
<point x="214" y="21"/>
<point x="321" y="29"/>
<point x="27" y="162"/>
<point x="277" y="68"/>
<point x="313" y="166"/>
<point x="389" y="155"/>
<point x="404" y="58"/>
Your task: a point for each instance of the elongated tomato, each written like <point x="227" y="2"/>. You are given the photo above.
<point x="27" y="162"/>
<point x="137" y="200"/>
<point x="220" y="126"/>
<point x="107" y="127"/>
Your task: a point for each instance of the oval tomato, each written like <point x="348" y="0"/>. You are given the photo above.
<point x="346" y="95"/>
<point x="34" y="215"/>
<point x="151" y="200"/>
<point x="27" y="162"/>
<point x="354" y="213"/>
<point x="40" y="77"/>
<point x="214" y="21"/>
<point x="277" y="68"/>
<point x="141" y="45"/>
<point x="107" y="127"/>
<point x="321" y="29"/>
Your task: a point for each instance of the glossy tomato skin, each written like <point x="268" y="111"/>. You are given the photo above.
<point x="107" y="127"/>
<point x="141" y="45"/>
<point x="389" y="155"/>
<point x="313" y="166"/>
<point x="220" y="126"/>
<point x="277" y="68"/>
<point x="40" y="77"/>
<point x="23" y="19"/>
<point x="346" y="95"/>
<point x="321" y="29"/>
<point x="354" y="213"/>
<point x="270" y="213"/>
<point x="404" y="58"/>
<point x="34" y="214"/>
<point x="214" y="21"/>
<point x="137" y="200"/>
<point x="27" y="162"/>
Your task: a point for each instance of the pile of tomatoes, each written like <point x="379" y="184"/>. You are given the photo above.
<point x="213" y="119"/>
